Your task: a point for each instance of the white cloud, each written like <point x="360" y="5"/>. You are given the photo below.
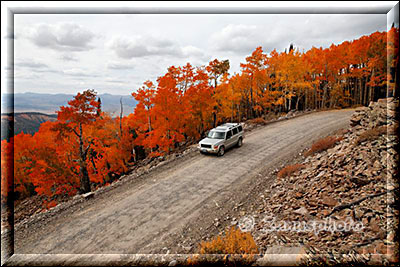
<point x="116" y="81"/>
<point x="141" y="46"/>
<point x="236" y="38"/>
<point x="62" y="36"/>
<point x="120" y="65"/>
<point x="79" y="73"/>
<point x="193" y="51"/>
<point x="68" y="57"/>
<point x="32" y="64"/>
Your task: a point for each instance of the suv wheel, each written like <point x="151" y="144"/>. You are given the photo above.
<point x="221" y="151"/>
<point x="240" y="142"/>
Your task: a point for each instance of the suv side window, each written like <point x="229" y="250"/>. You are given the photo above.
<point x="235" y="131"/>
<point x="240" y="128"/>
<point x="228" y="135"/>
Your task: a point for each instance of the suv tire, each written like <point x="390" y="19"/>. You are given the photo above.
<point x="221" y="151"/>
<point x="240" y="142"/>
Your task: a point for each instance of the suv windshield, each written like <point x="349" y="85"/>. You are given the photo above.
<point x="216" y="135"/>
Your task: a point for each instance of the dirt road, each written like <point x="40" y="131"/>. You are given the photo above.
<point x="140" y="215"/>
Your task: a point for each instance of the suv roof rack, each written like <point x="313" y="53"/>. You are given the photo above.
<point x="228" y="125"/>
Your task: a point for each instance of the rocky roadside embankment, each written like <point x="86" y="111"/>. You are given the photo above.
<point x="341" y="206"/>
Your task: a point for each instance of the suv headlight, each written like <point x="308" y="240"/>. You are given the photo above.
<point x="215" y="146"/>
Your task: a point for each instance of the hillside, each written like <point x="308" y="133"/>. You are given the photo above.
<point x="27" y="122"/>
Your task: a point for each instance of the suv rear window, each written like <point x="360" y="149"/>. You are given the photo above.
<point x="235" y="131"/>
<point x="240" y="128"/>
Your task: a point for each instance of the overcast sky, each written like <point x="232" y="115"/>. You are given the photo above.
<point x="115" y="54"/>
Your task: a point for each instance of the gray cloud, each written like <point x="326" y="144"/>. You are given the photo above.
<point x="119" y="66"/>
<point x="79" y="73"/>
<point x="243" y="39"/>
<point x="68" y="57"/>
<point x="139" y="46"/>
<point x="34" y="66"/>
<point x="31" y="64"/>
<point x="304" y="31"/>
<point x="116" y="81"/>
<point x="62" y="37"/>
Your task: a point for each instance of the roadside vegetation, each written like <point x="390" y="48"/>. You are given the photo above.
<point x="323" y="144"/>
<point x="234" y="242"/>
<point x="371" y="134"/>
<point x="259" y="121"/>
<point x="289" y="170"/>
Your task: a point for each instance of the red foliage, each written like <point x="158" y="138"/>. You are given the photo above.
<point x="7" y="150"/>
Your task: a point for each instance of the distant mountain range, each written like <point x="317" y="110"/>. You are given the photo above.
<point x="32" y="109"/>
<point x="50" y="103"/>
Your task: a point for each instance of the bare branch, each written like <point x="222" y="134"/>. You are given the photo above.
<point x="358" y="201"/>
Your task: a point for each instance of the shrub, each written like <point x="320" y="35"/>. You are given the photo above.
<point x="234" y="242"/>
<point x="289" y="170"/>
<point x="258" y="121"/>
<point x="371" y="134"/>
<point x="323" y="144"/>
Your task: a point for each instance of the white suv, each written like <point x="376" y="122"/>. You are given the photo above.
<point x="221" y="138"/>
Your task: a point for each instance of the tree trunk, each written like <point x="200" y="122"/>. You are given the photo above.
<point x="306" y="101"/>
<point x="84" y="176"/>
<point x="239" y="114"/>
<point x="149" y="123"/>
<point x="359" y="92"/>
<point x="315" y="98"/>
<point x="371" y="89"/>
<point x="215" y="107"/>
<point x="84" y="179"/>
<point x="396" y="85"/>
<point x="214" y="119"/>
<point x="120" y="120"/>
<point x="366" y="92"/>
<point x="324" y="96"/>
<point x="251" y="96"/>
<point x="233" y="108"/>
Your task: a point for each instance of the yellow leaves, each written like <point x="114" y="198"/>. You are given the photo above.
<point x="280" y="101"/>
<point x="234" y="242"/>
<point x="290" y="95"/>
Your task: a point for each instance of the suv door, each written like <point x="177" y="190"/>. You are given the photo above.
<point x="235" y="133"/>
<point x="229" y="139"/>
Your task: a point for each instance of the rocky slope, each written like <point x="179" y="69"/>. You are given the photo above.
<point x="341" y="207"/>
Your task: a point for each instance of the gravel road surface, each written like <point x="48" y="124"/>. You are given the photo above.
<point x="137" y="217"/>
